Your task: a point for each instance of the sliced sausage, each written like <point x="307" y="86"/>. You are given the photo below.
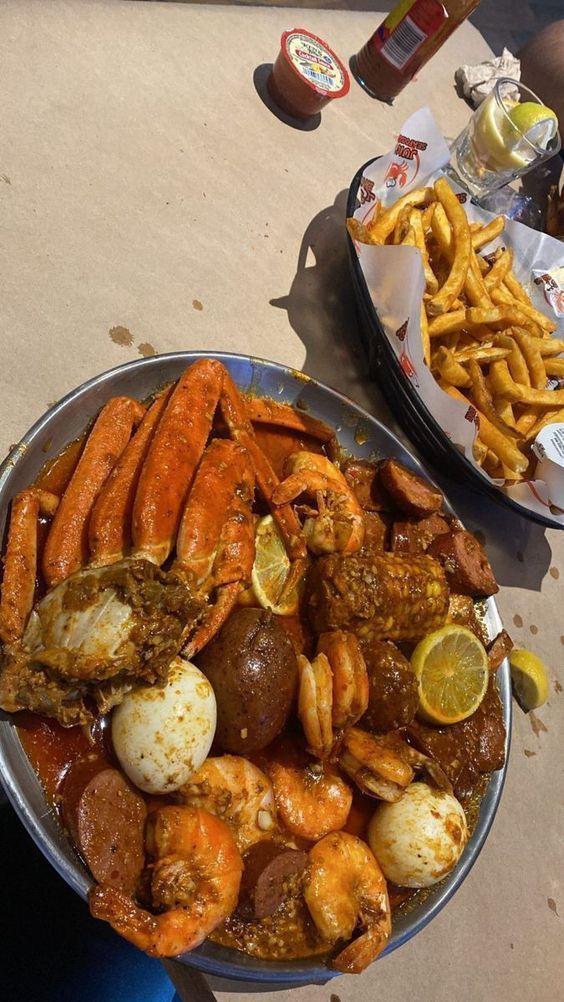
<point x="75" y="781"/>
<point x="111" y="826"/>
<point x="376" y="531"/>
<point x="363" y="479"/>
<point x="412" y="494"/>
<point x="499" y="649"/>
<point x="415" y="535"/>
<point x="267" y="867"/>
<point x="461" y="610"/>
<point x="466" y="565"/>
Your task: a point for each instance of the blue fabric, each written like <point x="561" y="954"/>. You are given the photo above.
<point x="51" y="950"/>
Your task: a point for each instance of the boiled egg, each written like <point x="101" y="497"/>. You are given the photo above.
<point x="420" y="838"/>
<point x="161" y="735"/>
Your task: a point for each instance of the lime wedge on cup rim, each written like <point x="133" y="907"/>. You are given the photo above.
<point x="505" y="138"/>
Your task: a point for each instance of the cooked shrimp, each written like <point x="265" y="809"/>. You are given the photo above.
<point x="338" y="524"/>
<point x="384" y="765"/>
<point x="333" y="690"/>
<point x="234" y="789"/>
<point x="196" y="878"/>
<point x="311" y="798"/>
<point x="346" y="889"/>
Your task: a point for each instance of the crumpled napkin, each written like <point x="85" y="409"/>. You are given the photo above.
<point x="476" y="82"/>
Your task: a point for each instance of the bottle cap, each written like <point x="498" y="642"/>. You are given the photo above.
<point x="306" y="75"/>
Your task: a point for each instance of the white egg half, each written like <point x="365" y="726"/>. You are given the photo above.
<point x="162" y="735"/>
<point x="419" y="839"/>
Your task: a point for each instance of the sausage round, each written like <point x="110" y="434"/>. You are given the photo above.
<point x="466" y="565"/>
<point x="412" y="494"/>
<point x="111" y="826"/>
<point x="267" y="867"/>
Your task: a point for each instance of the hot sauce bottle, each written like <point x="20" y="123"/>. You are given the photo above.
<point x="412" y="32"/>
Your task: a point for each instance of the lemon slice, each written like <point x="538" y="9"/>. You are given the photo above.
<point x="451" y="666"/>
<point x="529" y="679"/>
<point x="271" y="570"/>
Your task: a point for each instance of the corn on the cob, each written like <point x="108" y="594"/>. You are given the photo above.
<point x="378" y="596"/>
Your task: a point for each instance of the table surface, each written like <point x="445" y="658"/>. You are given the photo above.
<point x="149" y="202"/>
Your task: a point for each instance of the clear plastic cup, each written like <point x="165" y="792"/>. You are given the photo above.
<point x="501" y="143"/>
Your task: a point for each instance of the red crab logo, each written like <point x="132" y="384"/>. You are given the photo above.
<point x="552" y="292"/>
<point x="397" y="174"/>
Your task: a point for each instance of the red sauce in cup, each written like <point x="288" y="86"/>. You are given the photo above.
<point x="306" y="75"/>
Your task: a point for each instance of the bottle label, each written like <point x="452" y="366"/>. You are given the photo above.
<point x="406" y="28"/>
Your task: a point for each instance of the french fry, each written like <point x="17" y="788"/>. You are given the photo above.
<point x="430" y="278"/>
<point x="381" y="227"/>
<point x="550" y="417"/>
<point x="474" y="290"/>
<point x="427" y="215"/>
<point x="402" y="225"/>
<point x="526" y="420"/>
<point x="551" y="346"/>
<point x="425" y="337"/>
<point x="554" y="367"/>
<point x="505" y="315"/>
<point x="482" y="353"/>
<point x="504" y="448"/>
<point x="533" y="358"/>
<point x="499" y="270"/>
<point x="504" y="386"/>
<point x="358" y="231"/>
<point x="448" y="323"/>
<point x="409" y="239"/>
<point x="516" y="289"/>
<point x="481" y="397"/>
<point x="461" y="244"/>
<point x="450" y="370"/>
<point x="501" y="297"/>
<point x="517" y="364"/>
<point x="505" y="410"/>
<point x="479" y="450"/>
<point x="485" y="234"/>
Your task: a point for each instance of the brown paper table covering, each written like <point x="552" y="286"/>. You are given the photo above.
<point x="150" y="202"/>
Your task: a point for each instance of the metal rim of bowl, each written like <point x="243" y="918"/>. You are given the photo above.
<point x="20" y="781"/>
<point x="431" y="438"/>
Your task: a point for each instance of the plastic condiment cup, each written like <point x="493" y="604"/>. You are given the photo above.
<point x="306" y="75"/>
<point x="548" y="447"/>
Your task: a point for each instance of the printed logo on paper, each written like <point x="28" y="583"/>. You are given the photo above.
<point x="366" y="190"/>
<point x="462" y="197"/>
<point x="401" y="332"/>
<point x="472" y="416"/>
<point x="552" y="291"/>
<point x="405" y="170"/>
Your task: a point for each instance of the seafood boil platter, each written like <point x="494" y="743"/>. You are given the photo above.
<point x="230" y="609"/>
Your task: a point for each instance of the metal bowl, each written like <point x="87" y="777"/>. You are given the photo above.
<point x="65" y="422"/>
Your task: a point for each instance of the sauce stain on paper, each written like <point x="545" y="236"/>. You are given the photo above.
<point x="121" y="335"/>
<point x="552" y="905"/>
<point x="529" y="753"/>
<point x="518" y="621"/>
<point x="5" y="178"/>
<point x="537" y="724"/>
<point x="534" y="629"/>
<point x="334" y="998"/>
<point x="557" y="686"/>
<point x="146" y="349"/>
<point x="554" y="573"/>
<point x="197" y="305"/>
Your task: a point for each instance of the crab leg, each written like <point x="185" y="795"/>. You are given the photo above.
<point x="240" y="428"/>
<point x="261" y="410"/>
<point x="20" y="561"/>
<point x="66" y="548"/>
<point x="174" y="454"/>
<point x="216" y="536"/>
<point x="109" y="529"/>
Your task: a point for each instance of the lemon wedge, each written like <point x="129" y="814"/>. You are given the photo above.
<point x="452" y="670"/>
<point x="529" y="679"/>
<point x="271" y="569"/>
<point x="501" y="138"/>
